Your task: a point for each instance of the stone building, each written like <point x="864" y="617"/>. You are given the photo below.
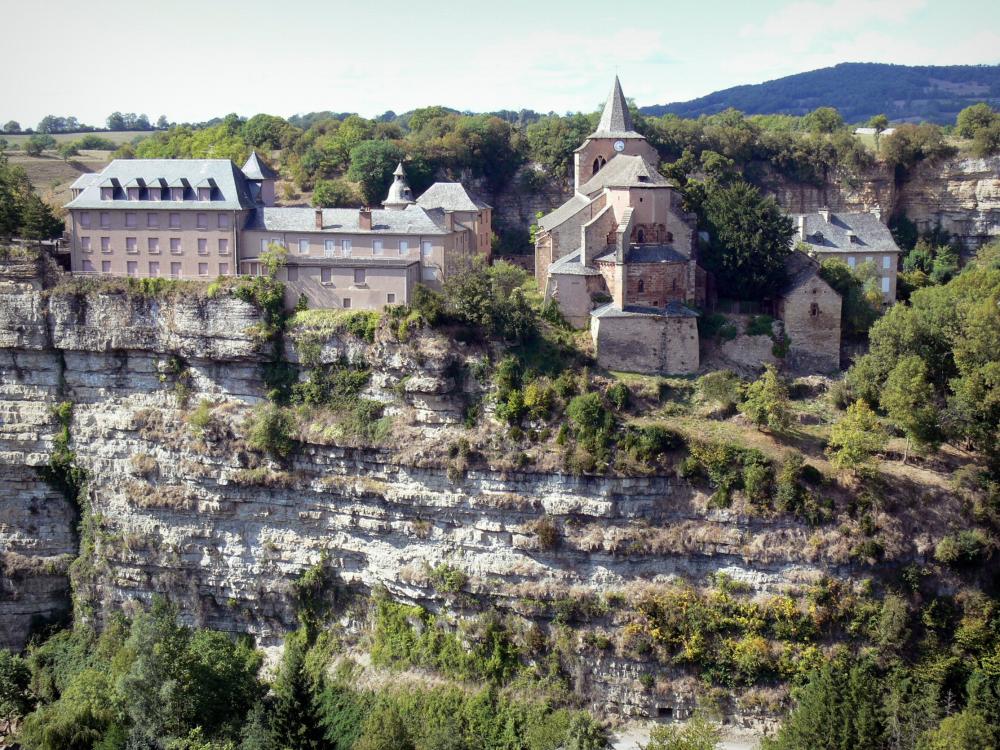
<point x="810" y="309"/>
<point x="620" y="255"/>
<point x="203" y="218"/>
<point x="854" y="238"/>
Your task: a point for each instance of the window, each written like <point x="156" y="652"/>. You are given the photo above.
<point x="359" y="276"/>
<point x="153" y="221"/>
<point x="223" y="246"/>
<point x="153" y="193"/>
<point x="428" y="273"/>
<point x="885" y="284"/>
<point x="330" y="248"/>
<point x="642" y="286"/>
<point x="377" y="247"/>
<point x="202" y="246"/>
<point x="223" y="269"/>
<point x="85" y="219"/>
<point x="130" y="219"/>
<point x="132" y="268"/>
<point x="293" y="273"/>
<point x="202" y="221"/>
<point x="426" y="249"/>
<point x="324" y="275"/>
<point x="814" y="309"/>
<point x="223" y="221"/>
<point x="203" y="269"/>
<point x="88" y="267"/>
<point x="175" y="221"/>
<point x="133" y="193"/>
<point x="177" y="194"/>
<point x="347" y="302"/>
<point x="175" y="270"/>
<point x="131" y="245"/>
<point x="868" y="259"/>
<point x="153" y="244"/>
<point x="106" y="193"/>
<point x="105" y="266"/>
<point x="204" y="193"/>
<point x="640" y="236"/>
<point x="175" y="245"/>
<point x="85" y="244"/>
<point x="263" y="245"/>
<point x="404" y="247"/>
<point x="345" y="245"/>
<point x="154" y="268"/>
<point x="886" y="260"/>
<point x="390" y="298"/>
<point x="303" y="247"/>
<point x="105" y="219"/>
<point x="850" y="261"/>
<point x="105" y="244"/>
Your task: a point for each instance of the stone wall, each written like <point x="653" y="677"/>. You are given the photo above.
<point x="661" y="283"/>
<point x="648" y="344"/>
<point x="811" y="317"/>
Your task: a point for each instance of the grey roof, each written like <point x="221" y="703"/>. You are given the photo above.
<point x="411" y="220"/>
<point x="231" y="188"/>
<point x="671" y="310"/>
<point x="616" y="121"/>
<point x="647" y="254"/>
<point x="351" y="262"/>
<point x="85" y="180"/>
<point x="570" y="264"/>
<point x="799" y="268"/>
<point x="257" y="169"/>
<point x="399" y="191"/>
<point x="565" y="211"/>
<point x="871" y="235"/>
<point x="625" y="171"/>
<point x="451" y="196"/>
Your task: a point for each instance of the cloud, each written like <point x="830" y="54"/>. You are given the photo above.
<point x="800" y="23"/>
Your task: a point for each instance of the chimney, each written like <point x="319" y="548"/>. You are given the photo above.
<point x="319" y="218"/>
<point x="802" y="228"/>
<point x="825" y="214"/>
<point x="365" y="219"/>
<point x="877" y="211"/>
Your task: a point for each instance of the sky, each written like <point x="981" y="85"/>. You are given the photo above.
<point x="197" y="59"/>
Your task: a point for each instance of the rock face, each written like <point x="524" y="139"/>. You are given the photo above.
<point x="188" y="511"/>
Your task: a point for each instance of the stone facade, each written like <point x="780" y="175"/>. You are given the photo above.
<point x="810" y="311"/>
<point x="669" y="345"/>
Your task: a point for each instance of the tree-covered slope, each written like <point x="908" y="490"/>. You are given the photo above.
<point x="858" y="90"/>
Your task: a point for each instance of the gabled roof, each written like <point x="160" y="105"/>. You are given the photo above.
<point x="85" y="180"/>
<point x="567" y="210"/>
<point x="672" y="309"/>
<point x="625" y="171"/>
<point x="232" y="190"/>
<point x="412" y="220"/>
<point x="647" y="254"/>
<point x="799" y="268"/>
<point x="833" y="235"/>
<point x="616" y="120"/>
<point x="570" y="264"/>
<point x="451" y="196"/>
<point x="257" y="169"/>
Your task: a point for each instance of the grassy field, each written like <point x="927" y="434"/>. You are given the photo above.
<point x="123" y="136"/>
<point x="51" y="176"/>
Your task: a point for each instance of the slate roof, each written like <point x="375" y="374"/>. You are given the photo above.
<point x="616" y="120"/>
<point x="350" y="262"/>
<point x="568" y="209"/>
<point x="451" y="196"/>
<point x="647" y="254"/>
<point x="625" y="171"/>
<point x="257" y="169"/>
<point x="412" y="220"/>
<point x="231" y="192"/>
<point x="85" y="180"/>
<point x="672" y="309"/>
<point x="831" y="236"/>
<point x="570" y="264"/>
<point x="799" y="268"/>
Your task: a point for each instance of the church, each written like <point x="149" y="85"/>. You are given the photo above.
<point x="620" y="256"/>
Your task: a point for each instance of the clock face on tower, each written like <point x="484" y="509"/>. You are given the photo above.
<point x="619" y="146"/>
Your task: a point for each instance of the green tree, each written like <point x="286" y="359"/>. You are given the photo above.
<point x="856" y="437"/>
<point x="878" y="123"/>
<point x="974" y="118"/>
<point x="270" y="429"/>
<point x="38" y="143"/>
<point x="38" y="222"/>
<point x="910" y="401"/>
<point x="552" y="140"/>
<point x="14" y="697"/>
<point x="12" y="126"/>
<point x="334" y="194"/>
<point x="962" y="731"/>
<point x="269" y="131"/>
<point x="823" y="120"/>
<point x="372" y="164"/>
<point x="294" y="718"/>
<point x="697" y="734"/>
<point x="766" y="401"/>
<point x="750" y="239"/>
<point x="116" y="121"/>
<point x="857" y="311"/>
<point x="67" y="150"/>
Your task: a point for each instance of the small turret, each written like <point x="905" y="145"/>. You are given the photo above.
<point x="261" y="178"/>
<point x="400" y="196"/>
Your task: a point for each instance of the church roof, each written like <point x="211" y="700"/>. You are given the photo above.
<point x="256" y="169"/>
<point x="566" y="211"/>
<point x="616" y="120"/>
<point x="625" y="171"/>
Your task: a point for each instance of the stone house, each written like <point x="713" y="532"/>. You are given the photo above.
<point x="854" y="238"/>
<point x="204" y="218"/>
<point x="810" y="310"/>
<point x="619" y="256"/>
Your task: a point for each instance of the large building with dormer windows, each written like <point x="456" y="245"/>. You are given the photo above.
<point x="204" y="218"/>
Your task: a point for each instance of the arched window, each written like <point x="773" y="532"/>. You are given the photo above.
<point x="642" y="286"/>
<point x="640" y="236"/>
<point x="598" y="163"/>
<point x="670" y="236"/>
<point x="814" y="309"/>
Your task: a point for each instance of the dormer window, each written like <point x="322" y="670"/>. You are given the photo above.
<point x="176" y="194"/>
<point x="204" y="193"/>
<point x="107" y="193"/>
<point x="153" y="193"/>
<point x="133" y="193"/>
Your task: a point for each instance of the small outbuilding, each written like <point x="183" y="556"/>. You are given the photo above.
<point x="810" y="311"/>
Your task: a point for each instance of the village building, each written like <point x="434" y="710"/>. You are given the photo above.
<point x="809" y="309"/>
<point x="854" y="238"/>
<point x="620" y="256"/>
<point x="203" y="218"/>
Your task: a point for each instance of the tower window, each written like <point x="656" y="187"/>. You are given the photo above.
<point x="640" y="236"/>
<point x="814" y="309"/>
<point x="642" y="286"/>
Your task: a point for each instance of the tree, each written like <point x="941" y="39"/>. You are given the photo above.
<point x="962" y="731"/>
<point x="878" y="123"/>
<point x="294" y="720"/>
<point x="372" y="164"/>
<point x="38" y="143"/>
<point x="697" y="734"/>
<point x="38" y="222"/>
<point x="857" y="311"/>
<point x="552" y="140"/>
<point x="12" y="126"/>
<point x="14" y="679"/>
<point x="910" y="401"/>
<point x="269" y="131"/>
<point x="334" y="194"/>
<point x="823" y="120"/>
<point x="766" y="401"/>
<point x="750" y="239"/>
<point x="67" y="150"/>
<point x="162" y="123"/>
<point x="116" y="121"/>
<point x="856" y="437"/>
<point x="973" y="118"/>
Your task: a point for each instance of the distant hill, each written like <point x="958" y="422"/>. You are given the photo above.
<point x="858" y="90"/>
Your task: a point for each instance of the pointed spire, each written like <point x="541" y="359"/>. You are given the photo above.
<point x="400" y="195"/>
<point x="257" y="169"/>
<point x="615" y="119"/>
<point x="399" y="171"/>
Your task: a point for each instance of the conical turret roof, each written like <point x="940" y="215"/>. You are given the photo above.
<point x="257" y="169"/>
<point x="616" y="121"/>
<point x="400" y="194"/>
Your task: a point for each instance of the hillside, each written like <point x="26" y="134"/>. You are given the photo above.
<point x="858" y="90"/>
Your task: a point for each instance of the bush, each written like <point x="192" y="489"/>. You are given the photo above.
<point x="723" y="387"/>
<point x="269" y="429"/>
<point x="618" y="396"/>
<point x="648" y="443"/>
<point x="963" y="548"/>
<point x="766" y="401"/>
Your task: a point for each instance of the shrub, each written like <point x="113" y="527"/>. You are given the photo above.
<point x="201" y="417"/>
<point x="618" y="396"/>
<point x="966" y="547"/>
<point x="447" y="579"/>
<point x="722" y="386"/>
<point x="547" y="533"/>
<point x="648" y="443"/>
<point x="269" y="429"/>
<point x="758" y="481"/>
<point x="760" y="325"/>
<point x="766" y="401"/>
